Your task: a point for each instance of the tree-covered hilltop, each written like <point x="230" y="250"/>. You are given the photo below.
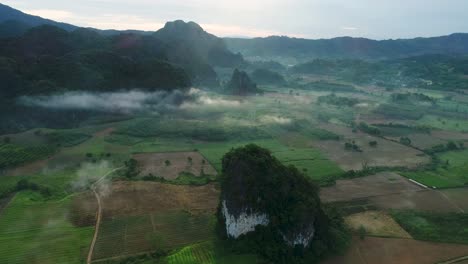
<point x="274" y="210"/>
<point x="442" y="72"/>
<point x="241" y="84"/>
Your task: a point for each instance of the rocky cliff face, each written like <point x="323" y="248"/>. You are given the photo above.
<point x="243" y="223"/>
<point x="302" y="238"/>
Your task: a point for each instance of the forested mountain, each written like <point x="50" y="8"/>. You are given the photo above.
<point x="23" y="21"/>
<point x="48" y="59"/>
<point x="347" y="47"/>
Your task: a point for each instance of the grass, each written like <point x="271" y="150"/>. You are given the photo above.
<point x="39" y="232"/>
<point x="449" y="228"/>
<point x="444" y="123"/>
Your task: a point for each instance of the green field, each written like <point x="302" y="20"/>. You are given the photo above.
<point x="39" y="232"/>
<point x="308" y="160"/>
<point x="452" y="172"/>
<point x="207" y="253"/>
<point x="444" y="123"/>
<point x="449" y="228"/>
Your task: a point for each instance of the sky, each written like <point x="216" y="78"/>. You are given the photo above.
<point x="376" y="19"/>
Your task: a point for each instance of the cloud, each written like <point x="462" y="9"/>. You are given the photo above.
<point x="53" y="14"/>
<point x="349" y="28"/>
<point x="121" y="22"/>
<point x="92" y="173"/>
<point x="271" y="119"/>
<point x="231" y="30"/>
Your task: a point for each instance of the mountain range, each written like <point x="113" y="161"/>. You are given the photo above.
<point x="14" y="22"/>
<point x="40" y="56"/>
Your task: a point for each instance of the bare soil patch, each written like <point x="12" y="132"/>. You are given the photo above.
<point x="383" y="183"/>
<point x="142" y="198"/>
<point x="155" y="164"/>
<point x="402" y="251"/>
<point x="428" y="200"/>
<point x="376" y="223"/>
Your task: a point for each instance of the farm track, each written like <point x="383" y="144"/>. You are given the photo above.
<point x="454" y="260"/>
<point x="99" y="215"/>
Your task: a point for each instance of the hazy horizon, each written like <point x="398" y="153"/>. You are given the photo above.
<point x="296" y="18"/>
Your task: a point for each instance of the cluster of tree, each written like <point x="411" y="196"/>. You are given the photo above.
<point x="418" y="128"/>
<point x="405" y="141"/>
<point x="450" y="146"/>
<point x="131" y="169"/>
<point x="253" y="180"/>
<point x="352" y="146"/>
<point x="371" y="130"/>
<point x="410" y="97"/>
<point x="25" y="184"/>
<point x="333" y="99"/>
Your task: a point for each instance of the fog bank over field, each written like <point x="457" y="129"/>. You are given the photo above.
<point x="128" y="101"/>
<point x="120" y="102"/>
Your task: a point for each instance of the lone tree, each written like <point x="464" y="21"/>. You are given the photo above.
<point x="275" y="210"/>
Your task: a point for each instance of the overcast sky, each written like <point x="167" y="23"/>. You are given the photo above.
<point x="377" y="19"/>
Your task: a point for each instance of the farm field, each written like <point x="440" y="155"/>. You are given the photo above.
<point x="42" y="233"/>
<point x="376" y="223"/>
<point x="393" y="250"/>
<point x="384" y="183"/>
<point x="437" y="227"/>
<point x="170" y="165"/>
<point x="385" y="154"/>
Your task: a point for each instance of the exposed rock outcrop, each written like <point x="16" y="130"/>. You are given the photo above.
<point x="243" y="223"/>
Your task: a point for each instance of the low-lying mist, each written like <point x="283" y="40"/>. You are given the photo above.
<point x="133" y="101"/>
<point x="115" y="102"/>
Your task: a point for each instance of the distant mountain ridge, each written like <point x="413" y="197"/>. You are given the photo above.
<point x="8" y="14"/>
<point x="348" y="47"/>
